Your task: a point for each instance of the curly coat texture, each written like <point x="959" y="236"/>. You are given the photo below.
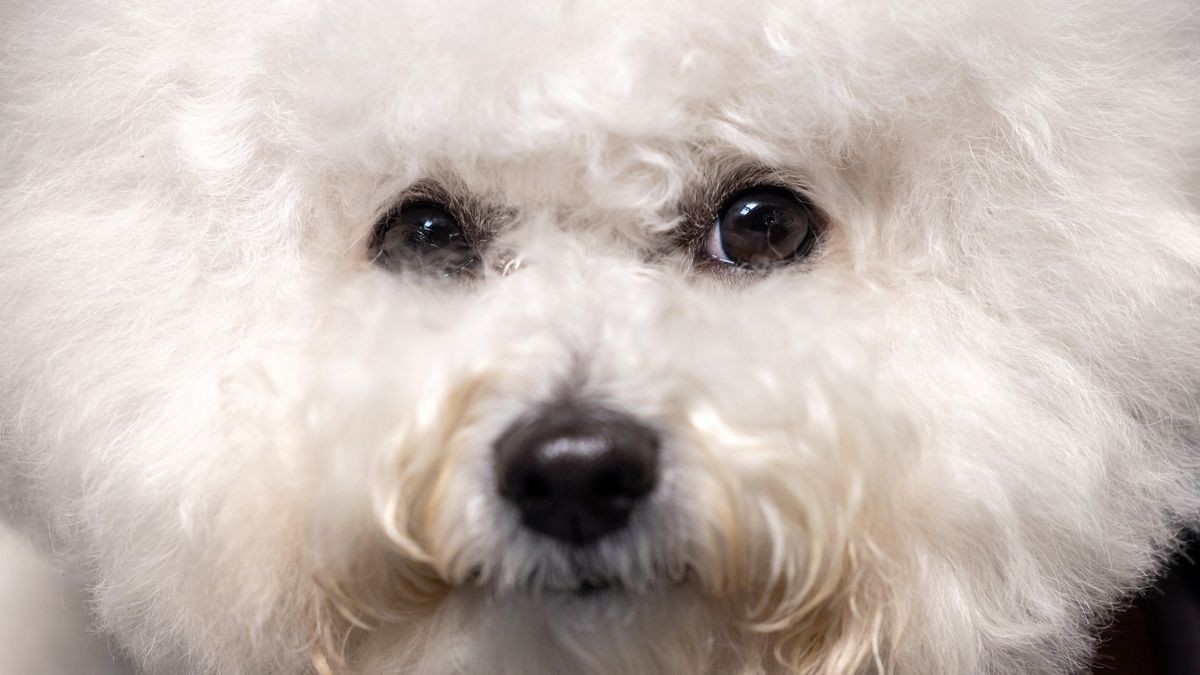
<point x="949" y="442"/>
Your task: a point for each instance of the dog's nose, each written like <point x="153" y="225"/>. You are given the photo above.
<point x="576" y="473"/>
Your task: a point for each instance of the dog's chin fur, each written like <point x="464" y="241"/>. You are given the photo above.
<point x="950" y="441"/>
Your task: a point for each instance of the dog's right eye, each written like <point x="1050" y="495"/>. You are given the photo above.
<point x="423" y="236"/>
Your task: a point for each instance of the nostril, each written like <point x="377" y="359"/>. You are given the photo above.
<point x="610" y="483"/>
<point x="536" y="488"/>
<point x="532" y="488"/>
<point x="576" y="473"/>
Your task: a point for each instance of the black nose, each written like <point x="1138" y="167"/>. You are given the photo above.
<point x="576" y="473"/>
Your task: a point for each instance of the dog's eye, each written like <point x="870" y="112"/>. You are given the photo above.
<point x="424" y="236"/>
<point x="762" y="227"/>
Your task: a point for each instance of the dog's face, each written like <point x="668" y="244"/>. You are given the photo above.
<point x="613" y="337"/>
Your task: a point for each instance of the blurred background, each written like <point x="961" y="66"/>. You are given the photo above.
<point x="43" y="629"/>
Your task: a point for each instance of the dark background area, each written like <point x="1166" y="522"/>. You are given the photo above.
<point x="1159" y="634"/>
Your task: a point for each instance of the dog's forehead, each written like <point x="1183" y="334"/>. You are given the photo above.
<point x="527" y="75"/>
<point x="595" y="101"/>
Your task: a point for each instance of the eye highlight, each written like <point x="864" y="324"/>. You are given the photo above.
<point x="424" y="236"/>
<point x="761" y="227"/>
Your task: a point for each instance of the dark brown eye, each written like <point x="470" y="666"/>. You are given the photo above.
<point x="423" y="236"/>
<point x="762" y="227"/>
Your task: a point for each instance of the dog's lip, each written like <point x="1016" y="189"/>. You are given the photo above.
<point x="591" y="586"/>
<point x="596" y="587"/>
<point x="588" y="590"/>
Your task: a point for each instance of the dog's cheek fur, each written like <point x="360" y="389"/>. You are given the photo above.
<point x="163" y="230"/>
<point x="1031" y="499"/>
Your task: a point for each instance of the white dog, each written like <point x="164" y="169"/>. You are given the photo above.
<point x="609" y="337"/>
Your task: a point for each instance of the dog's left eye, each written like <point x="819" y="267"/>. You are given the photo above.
<point x="424" y="236"/>
<point x="762" y="227"/>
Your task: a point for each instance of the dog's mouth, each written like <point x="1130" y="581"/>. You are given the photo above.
<point x="593" y="586"/>
<point x="599" y="589"/>
<point x="589" y="588"/>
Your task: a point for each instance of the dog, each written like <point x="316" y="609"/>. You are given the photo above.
<point x="610" y="337"/>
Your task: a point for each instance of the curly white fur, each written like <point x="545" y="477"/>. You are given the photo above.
<point x="949" y="443"/>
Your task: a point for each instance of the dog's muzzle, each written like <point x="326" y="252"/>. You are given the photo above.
<point x="576" y="472"/>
